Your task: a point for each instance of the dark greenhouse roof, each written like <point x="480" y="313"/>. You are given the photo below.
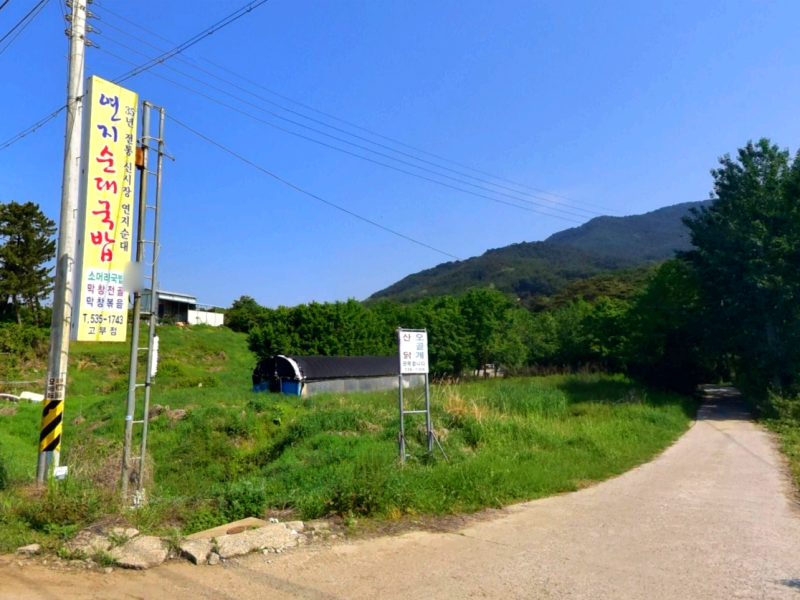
<point x="341" y="367"/>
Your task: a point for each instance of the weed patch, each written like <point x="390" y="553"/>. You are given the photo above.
<point x="234" y="454"/>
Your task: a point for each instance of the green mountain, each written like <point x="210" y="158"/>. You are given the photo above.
<point x="544" y="268"/>
<point x="653" y="236"/>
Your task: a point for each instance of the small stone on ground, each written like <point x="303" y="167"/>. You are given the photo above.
<point x="29" y="550"/>
<point x="197" y="551"/>
<point x="295" y="525"/>
<point x="213" y="559"/>
<point x="141" y="553"/>
<point x="274" y="536"/>
<point x="88" y="543"/>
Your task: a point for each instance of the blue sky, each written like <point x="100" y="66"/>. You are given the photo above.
<point x="624" y="105"/>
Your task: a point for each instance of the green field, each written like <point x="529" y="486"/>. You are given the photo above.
<point x="236" y="454"/>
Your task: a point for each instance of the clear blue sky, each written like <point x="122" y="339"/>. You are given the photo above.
<point x="626" y="105"/>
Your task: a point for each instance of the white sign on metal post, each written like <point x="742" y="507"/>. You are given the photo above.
<point x="413" y="352"/>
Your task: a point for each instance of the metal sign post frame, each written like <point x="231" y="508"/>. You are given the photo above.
<point x="149" y="316"/>
<point x="429" y="433"/>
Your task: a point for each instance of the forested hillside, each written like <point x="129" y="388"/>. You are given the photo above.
<point x="652" y="236"/>
<point x="541" y="269"/>
<point x="526" y="269"/>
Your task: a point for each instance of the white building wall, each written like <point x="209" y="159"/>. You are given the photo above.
<point x="202" y="317"/>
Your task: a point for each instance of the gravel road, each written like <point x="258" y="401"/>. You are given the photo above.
<point x="712" y="517"/>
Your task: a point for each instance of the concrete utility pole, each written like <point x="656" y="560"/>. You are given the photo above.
<point x="56" y="382"/>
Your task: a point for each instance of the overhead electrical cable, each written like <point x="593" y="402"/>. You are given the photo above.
<point x="350" y="124"/>
<point x="31" y="129"/>
<point x="307" y="193"/>
<point x="278" y="127"/>
<point x="3" y="5"/>
<point x="231" y="18"/>
<point x="24" y="22"/>
<point x="362" y="138"/>
<point x="141" y="68"/>
<point x="256" y="106"/>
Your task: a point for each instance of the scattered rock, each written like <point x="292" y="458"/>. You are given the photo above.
<point x="78" y="420"/>
<point x="108" y="570"/>
<point x="197" y="551"/>
<point x="213" y="558"/>
<point x="273" y="536"/>
<point x="215" y="532"/>
<point x="318" y="525"/>
<point x="156" y="410"/>
<point x="88" y="543"/>
<point x="296" y="526"/>
<point x="273" y="520"/>
<point x="177" y="415"/>
<point x="29" y="550"/>
<point x="142" y="552"/>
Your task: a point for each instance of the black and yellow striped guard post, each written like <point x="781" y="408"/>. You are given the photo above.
<point x="52" y="420"/>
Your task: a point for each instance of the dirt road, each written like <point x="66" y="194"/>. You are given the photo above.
<point x="713" y="517"/>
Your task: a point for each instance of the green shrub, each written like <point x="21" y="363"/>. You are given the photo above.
<point x="23" y="340"/>
<point x="364" y="489"/>
<point x="170" y="368"/>
<point x="258" y="404"/>
<point x="240" y="426"/>
<point x="67" y="502"/>
<point x="3" y="474"/>
<point x="242" y="499"/>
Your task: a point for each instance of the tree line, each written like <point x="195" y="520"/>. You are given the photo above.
<point x="484" y="326"/>
<point x="727" y="309"/>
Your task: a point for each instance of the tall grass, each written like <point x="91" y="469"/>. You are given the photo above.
<point x="237" y="454"/>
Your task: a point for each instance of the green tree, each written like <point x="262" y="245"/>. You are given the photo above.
<point x="666" y="331"/>
<point x="243" y="315"/>
<point x="448" y="338"/>
<point x="484" y="313"/>
<point x="747" y="260"/>
<point x="26" y="246"/>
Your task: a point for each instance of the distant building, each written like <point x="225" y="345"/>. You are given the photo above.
<point x="307" y="375"/>
<point x="182" y="308"/>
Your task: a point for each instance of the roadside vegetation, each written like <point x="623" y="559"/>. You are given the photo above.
<point x="617" y="349"/>
<point x="221" y="452"/>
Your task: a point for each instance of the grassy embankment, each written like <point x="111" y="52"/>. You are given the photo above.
<point x="236" y="454"/>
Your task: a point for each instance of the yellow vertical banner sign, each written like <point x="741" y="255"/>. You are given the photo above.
<point x="105" y="213"/>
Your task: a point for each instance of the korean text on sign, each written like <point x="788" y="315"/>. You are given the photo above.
<point x="413" y="351"/>
<point x="105" y="212"/>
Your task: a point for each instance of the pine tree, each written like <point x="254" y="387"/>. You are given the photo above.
<point x="26" y="246"/>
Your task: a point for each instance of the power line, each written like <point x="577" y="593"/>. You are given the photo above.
<point x="231" y="18"/>
<point x="411" y="156"/>
<point x="31" y="129"/>
<point x="24" y="22"/>
<point x="377" y="162"/>
<point x="138" y="69"/>
<point x="330" y="116"/>
<point x="3" y="5"/>
<point x="307" y="193"/>
<point x="269" y="112"/>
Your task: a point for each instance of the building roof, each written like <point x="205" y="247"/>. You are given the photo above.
<point x="173" y="296"/>
<point x="314" y="368"/>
